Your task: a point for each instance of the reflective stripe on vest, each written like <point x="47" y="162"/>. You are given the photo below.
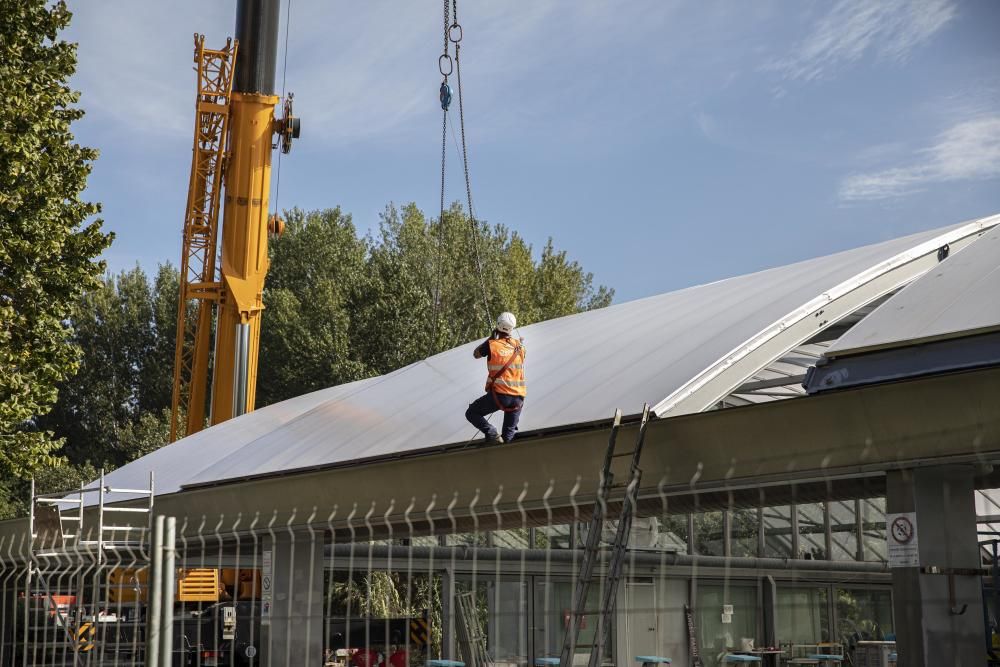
<point x="506" y="378"/>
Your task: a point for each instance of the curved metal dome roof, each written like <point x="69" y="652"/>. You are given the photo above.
<point x="681" y="352"/>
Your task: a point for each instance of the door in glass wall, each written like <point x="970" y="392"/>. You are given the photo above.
<point x="863" y="614"/>
<point x="802" y="615"/>
<point x="641" y="623"/>
<point x="672" y="596"/>
<point x="553" y="606"/>
<point x="718" y="631"/>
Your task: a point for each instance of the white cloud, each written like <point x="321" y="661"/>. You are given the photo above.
<point x="851" y="28"/>
<point x="968" y="151"/>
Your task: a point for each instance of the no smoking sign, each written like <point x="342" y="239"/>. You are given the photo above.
<point x="901" y="540"/>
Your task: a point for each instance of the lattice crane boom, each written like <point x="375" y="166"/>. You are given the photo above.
<point x="200" y="288"/>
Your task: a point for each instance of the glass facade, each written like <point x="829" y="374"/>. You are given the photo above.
<point x="744" y="532"/>
<point x="502" y="610"/>
<point x="553" y="603"/>
<point x="674" y="532"/>
<point x="812" y="531"/>
<point x="863" y="614"/>
<point x="716" y="631"/>
<point x="843" y="529"/>
<point x="778" y="531"/>
<point x="873" y="527"/>
<point x="708" y="533"/>
<point x="523" y="611"/>
<point x="802" y="614"/>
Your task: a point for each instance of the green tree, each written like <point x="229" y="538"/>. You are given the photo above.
<point x="47" y="252"/>
<point x="112" y="326"/>
<point x="156" y="382"/>
<point x="305" y="335"/>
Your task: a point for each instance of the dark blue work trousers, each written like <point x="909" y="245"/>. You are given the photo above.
<point x="487" y="405"/>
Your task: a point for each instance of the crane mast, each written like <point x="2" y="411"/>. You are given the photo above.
<point x="235" y="129"/>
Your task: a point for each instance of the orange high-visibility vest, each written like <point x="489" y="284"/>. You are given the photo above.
<point x="506" y="378"/>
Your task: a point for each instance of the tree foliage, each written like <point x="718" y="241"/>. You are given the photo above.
<point x="47" y="252"/>
<point x="125" y="330"/>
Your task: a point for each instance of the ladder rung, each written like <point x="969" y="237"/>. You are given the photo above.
<point x="124" y="528"/>
<point x="69" y="518"/>
<point x="144" y="510"/>
<point x="142" y="492"/>
<point x="616" y="456"/>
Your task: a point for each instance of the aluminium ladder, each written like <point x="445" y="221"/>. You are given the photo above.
<point x="592" y="547"/>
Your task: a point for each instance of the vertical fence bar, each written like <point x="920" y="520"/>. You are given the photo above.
<point x="167" y="577"/>
<point x="155" y="585"/>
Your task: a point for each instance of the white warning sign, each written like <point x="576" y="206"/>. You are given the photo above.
<point x="266" y="590"/>
<point x="901" y="540"/>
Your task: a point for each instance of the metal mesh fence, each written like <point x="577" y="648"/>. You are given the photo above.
<point x="457" y="579"/>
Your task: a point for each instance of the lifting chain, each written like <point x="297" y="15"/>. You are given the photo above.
<point x="447" y="66"/>
<point x="455" y="36"/>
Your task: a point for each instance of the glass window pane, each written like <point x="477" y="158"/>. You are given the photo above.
<point x="744" y="533"/>
<point x="802" y="615"/>
<point x="553" y="604"/>
<point x="708" y="533"/>
<point x="511" y="539"/>
<point x="873" y="525"/>
<point x="863" y="614"/>
<point x="842" y="524"/>
<point x="674" y="533"/>
<point x="466" y="539"/>
<point x="501" y="608"/>
<point x="373" y="610"/>
<point x="714" y="635"/>
<point x="552" y="537"/>
<point x="812" y="533"/>
<point x="778" y="532"/>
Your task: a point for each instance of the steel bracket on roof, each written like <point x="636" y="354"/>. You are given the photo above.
<point x="721" y="378"/>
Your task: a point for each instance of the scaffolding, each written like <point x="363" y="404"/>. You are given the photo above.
<point x="85" y="581"/>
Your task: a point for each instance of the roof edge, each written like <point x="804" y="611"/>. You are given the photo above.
<point x="708" y="387"/>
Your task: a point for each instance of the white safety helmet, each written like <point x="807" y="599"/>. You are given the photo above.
<point x="506" y="323"/>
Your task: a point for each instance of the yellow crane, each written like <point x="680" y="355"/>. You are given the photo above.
<point x="221" y="284"/>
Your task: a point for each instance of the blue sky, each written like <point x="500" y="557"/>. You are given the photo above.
<point x="663" y="144"/>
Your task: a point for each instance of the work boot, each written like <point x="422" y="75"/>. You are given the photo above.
<point x="492" y="438"/>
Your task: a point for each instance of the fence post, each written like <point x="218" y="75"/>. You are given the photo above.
<point x="167" y="581"/>
<point x="153" y="615"/>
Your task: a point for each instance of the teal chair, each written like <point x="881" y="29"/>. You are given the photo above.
<point x="546" y="662"/>
<point x="738" y="658"/>
<point x="651" y="660"/>
<point x="445" y="663"/>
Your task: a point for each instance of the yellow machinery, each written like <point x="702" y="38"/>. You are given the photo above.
<point x="193" y="585"/>
<point x="234" y="130"/>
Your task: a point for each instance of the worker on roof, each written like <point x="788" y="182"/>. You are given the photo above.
<point x="505" y="385"/>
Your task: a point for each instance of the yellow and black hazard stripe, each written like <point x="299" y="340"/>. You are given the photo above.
<point x="85" y="637"/>
<point x="419" y="631"/>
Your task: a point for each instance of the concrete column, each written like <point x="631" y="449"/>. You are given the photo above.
<point x="291" y="628"/>
<point x="929" y="629"/>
